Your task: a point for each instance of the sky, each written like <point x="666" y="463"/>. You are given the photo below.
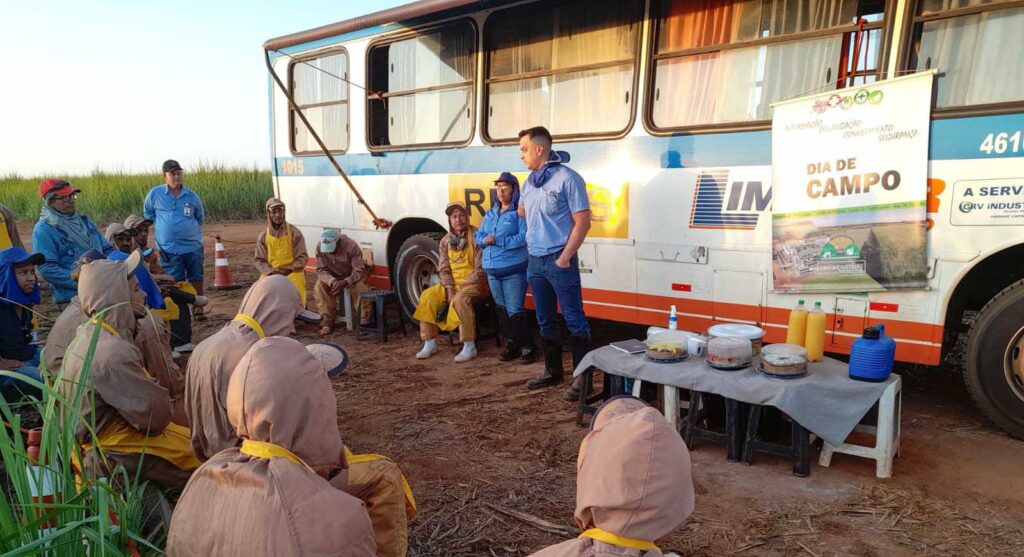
<point x="124" y="85"/>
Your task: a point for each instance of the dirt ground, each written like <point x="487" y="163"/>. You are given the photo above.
<point x="480" y="450"/>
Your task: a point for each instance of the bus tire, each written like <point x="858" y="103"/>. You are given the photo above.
<point x="994" y="360"/>
<point x="416" y="269"/>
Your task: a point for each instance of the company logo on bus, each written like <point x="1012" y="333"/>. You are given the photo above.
<point x="861" y="96"/>
<point x="721" y="203"/>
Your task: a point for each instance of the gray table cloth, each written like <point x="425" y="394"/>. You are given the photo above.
<point x="826" y="401"/>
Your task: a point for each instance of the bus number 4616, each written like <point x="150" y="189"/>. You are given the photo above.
<point x="1000" y="143"/>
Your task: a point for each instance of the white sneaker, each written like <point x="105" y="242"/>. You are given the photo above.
<point x="201" y="301"/>
<point x="429" y="349"/>
<point x="175" y="354"/>
<point x="185" y="348"/>
<point x="468" y="352"/>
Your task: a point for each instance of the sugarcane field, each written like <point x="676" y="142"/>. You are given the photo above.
<point x="510" y="278"/>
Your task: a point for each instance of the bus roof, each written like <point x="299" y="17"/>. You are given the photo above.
<point x="397" y="14"/>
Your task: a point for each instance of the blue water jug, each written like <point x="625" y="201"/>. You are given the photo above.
<point x="872" y="355"/>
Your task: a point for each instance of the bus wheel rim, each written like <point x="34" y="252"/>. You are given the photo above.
<point x="421" y="274"/>
<point x="1013" y="363"/>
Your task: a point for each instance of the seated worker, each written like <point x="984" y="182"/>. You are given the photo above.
<point x="9" y="236"/>
<point x="62" y="236"/>
<point x="268" y="309"/>
<point x="502" y="238"/>
<point x="339" y="265"/>
<point x="150" y="338"/>
<point x="130" y="410"/>
<point x="19" y="291"/>
<point x="281" y="249"/>
<point x="450" y="304"/>
<point x="270" y="495"/>
<point x="139" y="227"/>
<point x="168" y="299"/>
<point x="633" y="483"/>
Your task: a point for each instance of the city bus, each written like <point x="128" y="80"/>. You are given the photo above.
<point x="665" y="108"/>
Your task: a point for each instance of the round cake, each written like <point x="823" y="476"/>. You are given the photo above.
<point x="784" y="359"/>
<point x="730" y="353"/>
<point x="666" y="351"/>
<point x="738" y="330"/>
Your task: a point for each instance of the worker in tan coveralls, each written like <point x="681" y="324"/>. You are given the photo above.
<point x="633" y="484"/>
<point x="270" y="495"/>
<point x="9" y="236"/>
<point x="339" y="265"/>
<point x="281" y="249"/>
<point x="130" y="410"/>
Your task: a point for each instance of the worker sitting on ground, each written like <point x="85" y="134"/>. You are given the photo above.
<point x="270" y="495"/>
<point x="19" y="291"/>
<point x="64" y="329"/>
<point x="450" y="304"/>
<point x="633" y="483"/>
<point x="339" y="265"/>
<point x="281" y="249"/>
<point x="269" y="308"/>
<point x="130" y="410"/>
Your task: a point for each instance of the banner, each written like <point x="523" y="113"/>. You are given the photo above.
<point x="849" y="184"/>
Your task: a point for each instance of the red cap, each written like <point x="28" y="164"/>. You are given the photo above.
<point x="54" y="186"/>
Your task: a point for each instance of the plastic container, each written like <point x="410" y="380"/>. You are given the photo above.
<point x="815" y="338"/>
<point x="730" y="353"/>
<point x="738" y="330"/>
<point x="667" y="346"/>
<point x="872" y="355"/>
<point x="797" y="331"/>
<point x="673" y="320"/>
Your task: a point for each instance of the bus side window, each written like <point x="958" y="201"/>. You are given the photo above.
<point x="320" y="89"/>
<point x="718" y="63"/>
<point x="569" y="66"/>
<point x="970" y="42"/>
<point x="421" y="88"/>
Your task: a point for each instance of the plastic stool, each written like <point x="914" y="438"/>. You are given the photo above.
<point x="380" y="325"/>
<point x="732" y="437"/>
<point x="483" y="307"/>
<point x="887" y="434"/>
<point x="349" y="319"/>
<point x="798" y="450"/>
<point x="612" y="385"/>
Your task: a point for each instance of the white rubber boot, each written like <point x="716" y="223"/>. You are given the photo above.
<point x="468" y="352"/>
<point x="428" y="350"/>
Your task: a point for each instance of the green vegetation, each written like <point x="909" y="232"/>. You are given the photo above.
<point x="228" y="193"/>
<point x="87" y="515"/>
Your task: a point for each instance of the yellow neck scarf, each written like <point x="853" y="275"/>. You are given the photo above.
<point x="251" y="323"/>
<point x="621" y="541"/>
<point x="260" y="449"/>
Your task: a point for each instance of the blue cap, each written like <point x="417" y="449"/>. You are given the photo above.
<point x="508" y="177"/>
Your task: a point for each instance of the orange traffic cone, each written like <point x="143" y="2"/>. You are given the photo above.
<point x="221" y="270"/>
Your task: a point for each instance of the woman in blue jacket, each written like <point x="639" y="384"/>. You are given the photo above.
<point x="502" y="235"/>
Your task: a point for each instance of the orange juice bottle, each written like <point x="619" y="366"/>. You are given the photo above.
<point x="797" y="331"/>
<point x="815" y="340"/>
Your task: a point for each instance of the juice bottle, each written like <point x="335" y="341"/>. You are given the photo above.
<point x="797" y="331"/>
<point x="815" y="341"/>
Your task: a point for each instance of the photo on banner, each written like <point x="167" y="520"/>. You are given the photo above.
<point x="850" y="183"/>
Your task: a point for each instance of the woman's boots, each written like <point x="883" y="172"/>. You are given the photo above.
<point x="517" y="331"/>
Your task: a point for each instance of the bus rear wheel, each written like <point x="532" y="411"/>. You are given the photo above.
<point x="416" y="269"/>
<point x="994" y="360"/>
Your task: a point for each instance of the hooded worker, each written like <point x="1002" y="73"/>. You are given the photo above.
<point x="130" y="410"/>
<point x="450" y="304"/>
<point x="19" y="291"/>
<point x="281" y="248"/>
<point x="633" y="484"/>
<point x="269" y="496"/>
<point x="268" y="309"/>
<point x="66" y="326"/>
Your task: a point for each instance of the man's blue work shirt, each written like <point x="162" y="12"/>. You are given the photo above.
<point x="178" y="220"/>
<point x="550" y="196"/>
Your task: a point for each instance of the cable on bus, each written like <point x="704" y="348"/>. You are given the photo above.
<point x="377" y="221"/>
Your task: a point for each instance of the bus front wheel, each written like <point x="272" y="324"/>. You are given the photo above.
<point x="994" y="360"/>
<point x="416" y="269"/>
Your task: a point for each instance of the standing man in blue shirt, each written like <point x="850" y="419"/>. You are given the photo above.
<point x="557" y="212"/>
<point x="178" y="215"/>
